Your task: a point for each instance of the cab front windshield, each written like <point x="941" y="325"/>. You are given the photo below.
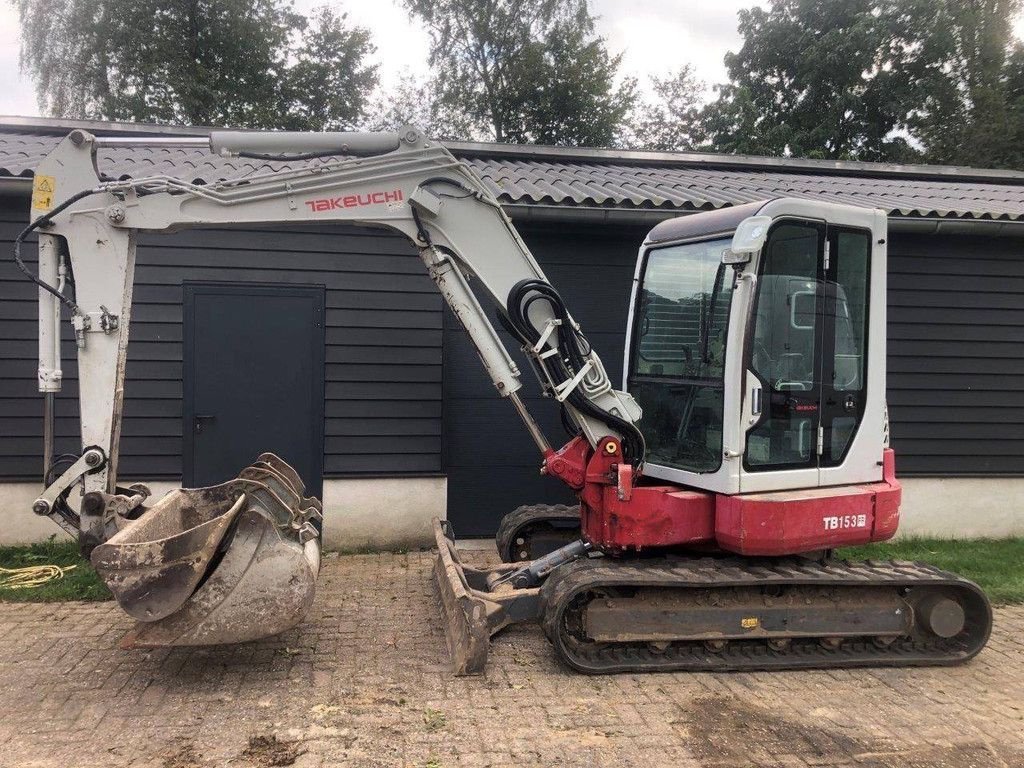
<point x="678" y="366"/>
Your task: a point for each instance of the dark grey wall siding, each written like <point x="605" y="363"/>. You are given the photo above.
<point x="956" y="362"/>
<point x="956" y="354"/>
<point x="383" y="389"/>
<point x="956" y="365"/>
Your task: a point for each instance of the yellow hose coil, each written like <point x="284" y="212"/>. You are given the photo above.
<point x="31" y="576"/>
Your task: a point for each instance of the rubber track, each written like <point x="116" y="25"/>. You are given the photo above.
<point x="588" y="574"/>
<point x="531" y="514"/>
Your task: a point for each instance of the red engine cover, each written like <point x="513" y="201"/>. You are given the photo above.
<point x="791" y="522"/>
<point x="618" y="517"/>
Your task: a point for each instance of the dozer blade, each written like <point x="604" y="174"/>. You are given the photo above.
<point x="225" y="564"/>
<point x="471" y="612"/>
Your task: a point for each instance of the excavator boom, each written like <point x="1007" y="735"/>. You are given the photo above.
<point x="161" y="561"/>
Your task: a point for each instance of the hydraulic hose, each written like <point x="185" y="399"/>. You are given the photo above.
<point x="573" y="349"/>
<point x="42" y="221"/>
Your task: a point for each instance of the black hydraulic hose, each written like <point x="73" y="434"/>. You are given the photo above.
<point x="573" y="349"/>
<point x="41" y="221"/>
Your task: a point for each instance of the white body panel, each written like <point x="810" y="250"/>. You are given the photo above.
<point x="862" y="462"/>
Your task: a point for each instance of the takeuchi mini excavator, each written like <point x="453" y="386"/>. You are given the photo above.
<point x="750" y="440"/>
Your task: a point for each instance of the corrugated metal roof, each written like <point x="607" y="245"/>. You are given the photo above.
<point x="595" y="179"/>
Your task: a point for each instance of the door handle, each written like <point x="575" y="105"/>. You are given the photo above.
<point x="201" y="419"/>
<point x="755" y="401"/>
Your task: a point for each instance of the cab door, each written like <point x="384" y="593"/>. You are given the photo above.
<point x="805" y="354"/>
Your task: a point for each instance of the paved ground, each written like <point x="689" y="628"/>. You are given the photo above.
<point x="364" y="682"/>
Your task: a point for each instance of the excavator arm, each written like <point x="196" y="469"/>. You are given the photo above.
<point x="200" y="565"/>
<point x="401" y="181"/>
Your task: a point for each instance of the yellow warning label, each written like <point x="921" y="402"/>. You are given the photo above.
<point x="43" y="188"/>
<point x="750" y="622"/>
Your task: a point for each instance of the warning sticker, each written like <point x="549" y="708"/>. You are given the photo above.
<point x="43" y="188"/>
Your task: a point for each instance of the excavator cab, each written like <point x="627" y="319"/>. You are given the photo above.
<point x="756" y="347"/>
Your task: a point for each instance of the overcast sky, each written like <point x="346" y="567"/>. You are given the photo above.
<point x="655" y="36"/>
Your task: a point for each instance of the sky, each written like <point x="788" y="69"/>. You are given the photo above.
<point x="655" y="37"/>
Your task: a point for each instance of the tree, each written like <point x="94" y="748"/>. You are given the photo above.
<point x="411" y="101"/>
<point x="328" y="85"/>
<point x="525" y="70"/>
<point x="967" y="65"/>
<point x="672" y="120"/>
<point x="898" y="80"/>
<point x="815" y="79"/>
<point x="255" y="63"/>
<point x="565" y="92"/>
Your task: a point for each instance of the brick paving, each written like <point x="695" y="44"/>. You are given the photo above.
<point x="365" y="682"/>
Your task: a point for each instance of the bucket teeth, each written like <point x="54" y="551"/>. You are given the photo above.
<point x="225" y="564"/>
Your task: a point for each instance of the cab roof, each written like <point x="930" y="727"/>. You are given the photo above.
<point x="723" y="220"/>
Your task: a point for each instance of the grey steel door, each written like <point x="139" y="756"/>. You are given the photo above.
<point x="253" y="379"/>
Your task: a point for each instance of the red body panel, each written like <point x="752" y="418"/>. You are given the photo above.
<point x="790" y="522"/>
<point x="655" y="516"/>
<point x="618" y="517"/>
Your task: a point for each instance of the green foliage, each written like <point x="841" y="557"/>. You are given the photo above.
<point x="525" y="70"/>
<point x="253" y="63"/>
<point x="565" y="93"/>
<point x="814" y="79"/>
<point x="892" y="80"/>
<point x="327" y="86"/>
<point x="82" y="583"/>
<point x="672" y="120"/>
<point x="412" y="101"/>
<point x="434" y="719"/>
<point x="996" y="565"/>
<point x="967" y="105"/>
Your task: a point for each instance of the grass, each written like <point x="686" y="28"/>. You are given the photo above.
<point x="996" y="565"/>
<point x="82" y="583"/>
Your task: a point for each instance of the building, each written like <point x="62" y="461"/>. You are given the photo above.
<point x="411" y="427"/>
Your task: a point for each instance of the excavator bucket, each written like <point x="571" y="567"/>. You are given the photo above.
<point x="472" y="612"/>
<point x="224" y="564"/>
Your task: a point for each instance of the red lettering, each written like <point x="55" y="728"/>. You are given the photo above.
<point x="354" y="201"/>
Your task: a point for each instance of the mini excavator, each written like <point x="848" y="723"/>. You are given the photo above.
<point x="705" y="530"/>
